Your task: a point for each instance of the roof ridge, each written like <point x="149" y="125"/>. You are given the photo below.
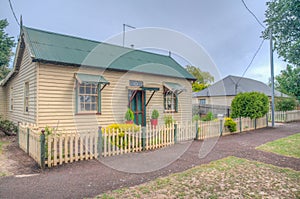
<point x="61" y="34"/>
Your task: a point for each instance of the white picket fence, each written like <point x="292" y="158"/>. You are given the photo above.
<point x="29" y="140"/>
<point x="285" y="116"/>
<point x="67" y="147"/>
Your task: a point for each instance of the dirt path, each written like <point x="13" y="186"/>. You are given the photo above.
<point x="90" y="178"/>
<point x="13" y="161"/>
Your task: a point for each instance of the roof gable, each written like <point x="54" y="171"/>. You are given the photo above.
<point x="63" y="49"/>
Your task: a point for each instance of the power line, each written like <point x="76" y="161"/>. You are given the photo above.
<point x="253" y="14"/>
<point x="259" y="47"/>
<point x="256" y="52"/>
<point x="12" y="10"/>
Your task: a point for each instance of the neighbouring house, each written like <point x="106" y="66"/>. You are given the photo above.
<point x="73" y="83"/>
<point x="219" y="95"/>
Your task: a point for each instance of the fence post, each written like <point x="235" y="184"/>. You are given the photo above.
<point x="255" y="123"/>
<point x="175" y="133"/>
<point x="18" y="134"/>
<point x="197" y="130"/>
<point x="42" y="138"/>
<point x="285" y="116"/>
<point x="99" y="146"/>
<point x="241" y="125"/>
<point x="144" y="138"/>
<point x="28" y="132"/>
<point x="267" y="121"/>
<point x="221" y="127"/>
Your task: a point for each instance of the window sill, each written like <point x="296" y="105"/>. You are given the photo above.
<point x="170" y="111"/>
<point x="88" y="113"/>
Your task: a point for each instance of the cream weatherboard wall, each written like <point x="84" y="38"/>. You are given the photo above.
<point x="16" y="85"/>
<point x="56" y="97"/>
<point x="216" y="100"/>
<point x="2" y="102"/>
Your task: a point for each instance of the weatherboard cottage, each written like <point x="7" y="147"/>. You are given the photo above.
<point x="73" y="83"/>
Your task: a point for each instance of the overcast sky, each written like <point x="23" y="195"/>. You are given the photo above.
<point x="223" y="28"/>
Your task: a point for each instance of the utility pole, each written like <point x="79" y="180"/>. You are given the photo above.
<point x="124" y="26"/>
<point x="272" y="75"/>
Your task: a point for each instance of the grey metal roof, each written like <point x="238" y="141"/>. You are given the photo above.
<point x="232" y="85"/>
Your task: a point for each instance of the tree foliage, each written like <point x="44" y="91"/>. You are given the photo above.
<point x="6" y="45"/>
<point x="288" y="81"/>
<point x="199" y="86"/>
<point x="285" y="104"/>
<point x="203" y="78"/>
<point x="283" y="19"/>
<point x="252" y="104"/>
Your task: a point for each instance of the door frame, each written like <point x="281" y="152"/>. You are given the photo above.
<point x="143" y="105"/>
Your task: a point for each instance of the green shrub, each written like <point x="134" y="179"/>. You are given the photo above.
<point x="251" y="104"/>
<point x="230" y="124"/>
<point x="120" y="140"/>
<point x="122" y="127"/>
<point x="196" y="118"/>
<point x="209" y="117"/>
<point x="8" y="126"/>
<point x="168" y="119"/>
<point x="155" y="114"/>
<point x="285" y="104"/>
<point x="129" y="115"/>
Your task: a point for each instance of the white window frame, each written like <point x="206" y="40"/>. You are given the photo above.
<point x="26" y="97"/>
<point x="201" y="101"/>
<point x="88" y="97"/>
<point x="11" y="99"/>
<point x="170" y="101"/>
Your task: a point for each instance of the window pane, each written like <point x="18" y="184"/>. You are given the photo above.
<point x="94" y="90"/>
<point x="87" y="98"/>
<point x="88" y="89"/>
<point x="94" y="107"/>
<point x="81" y="98"/>
<point x="81" y="90"/>
<point x="170" y="100"/>
<point x="82" y="106"/>
<point x="93" y="98"/>
<point x="87" y="107"/>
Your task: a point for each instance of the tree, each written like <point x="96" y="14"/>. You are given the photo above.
<point x="252" y="104"/>
<point x="283" y="19"/>
<point x="288" y="81"/>
<point x="199" y="87"/>
<point x="6" y="45"/>
<point x="203" y="78"/>
<point x="285" y="104"/>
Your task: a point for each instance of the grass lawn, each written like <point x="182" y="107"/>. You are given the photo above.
<point x="1" y="145"/>
<point x="230" y="177"/>
<point x="288" y="146"/>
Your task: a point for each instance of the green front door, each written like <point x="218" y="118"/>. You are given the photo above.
<point x="137" y="105"/>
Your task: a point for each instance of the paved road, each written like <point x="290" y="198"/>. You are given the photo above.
<point x="90" y="178"/>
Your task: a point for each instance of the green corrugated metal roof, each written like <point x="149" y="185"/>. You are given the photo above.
<point x="52" y="47"/>
<point x="174" y="87"/>
<point x="91" y="78"/>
